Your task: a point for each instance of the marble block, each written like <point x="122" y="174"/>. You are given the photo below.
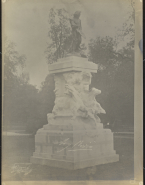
<point x="74" y="137"/>
<point x="72" y="63"/>
<point x="73" y="144"/>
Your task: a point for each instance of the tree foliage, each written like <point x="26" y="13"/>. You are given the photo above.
<point x="115" y="75"/>
<point x="46" y="98"/>
<point x="20" y="98"/>
<point x="59" y="34"/>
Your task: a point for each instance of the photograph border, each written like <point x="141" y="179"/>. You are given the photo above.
<point x="138" y="114"/>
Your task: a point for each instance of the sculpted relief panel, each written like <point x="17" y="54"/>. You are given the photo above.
<point x="74" y="98"/>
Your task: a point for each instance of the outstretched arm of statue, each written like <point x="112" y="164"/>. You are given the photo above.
<point x="95" y="91"/>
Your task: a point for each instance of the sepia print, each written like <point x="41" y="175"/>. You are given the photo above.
<point x="72" y="92"/>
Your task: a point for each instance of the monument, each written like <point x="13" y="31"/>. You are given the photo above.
<point x="74" y="137"/>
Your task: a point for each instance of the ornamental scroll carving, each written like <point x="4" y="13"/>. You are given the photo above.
<point x="74" y="98"/>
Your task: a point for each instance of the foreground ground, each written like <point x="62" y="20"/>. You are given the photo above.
<point x="19" y="149"/>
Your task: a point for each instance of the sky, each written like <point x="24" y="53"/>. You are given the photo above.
<point x="25" y="22"/>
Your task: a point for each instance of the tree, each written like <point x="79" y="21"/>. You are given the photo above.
<point x="115" y="75"/>
<point x="59" y="34"/>
<point x="20" y="101"/>
<point x="127" y="32"/>
<point x="12" y="60"/>
<point x="115" y="78"/>
<point x="46" y="98"/>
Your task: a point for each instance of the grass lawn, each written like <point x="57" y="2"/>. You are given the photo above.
<point x="19" y="149"/>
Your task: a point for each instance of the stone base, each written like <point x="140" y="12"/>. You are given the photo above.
<point x="74" y="144"/>
<point x="75" y="165"/>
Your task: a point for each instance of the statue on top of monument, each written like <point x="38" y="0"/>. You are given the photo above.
<point x="77" y="35"/>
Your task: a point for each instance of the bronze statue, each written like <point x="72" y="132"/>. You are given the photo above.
<point x="77" y="34"/>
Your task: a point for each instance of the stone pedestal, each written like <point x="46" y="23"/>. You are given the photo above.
<point x="74" y="137"/>
<point x="72" y="63"/>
